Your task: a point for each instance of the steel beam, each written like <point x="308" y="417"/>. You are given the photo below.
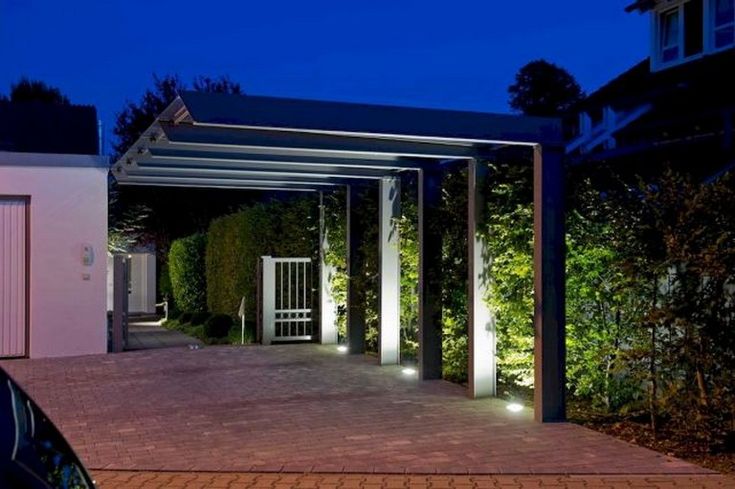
<point x="231" y="182"/>
<point x="253" y="165"/>
<point x="390" y="271"/>
<point x="164" y="149"/>
<point x="430" y="270"/>
<point x="549" y="286"/>
<point x="311" y="143"/>
<point x="215" y="173"/>
<point x="222" y="187"/>
<point x="481" y="328"/>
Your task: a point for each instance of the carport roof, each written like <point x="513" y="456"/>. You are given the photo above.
<point x="253" y="142"/>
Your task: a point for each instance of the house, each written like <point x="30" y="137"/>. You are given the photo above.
<point x="53" y="231"/>
<point x="677" y="106"/>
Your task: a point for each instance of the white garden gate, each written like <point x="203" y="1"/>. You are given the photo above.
<point x="286" y="299"/>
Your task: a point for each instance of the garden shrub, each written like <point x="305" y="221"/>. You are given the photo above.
<point x="199" y="318"/>
<point x="187" y="272"/>
<point x="218" y="326"/>
<point x="185" y="317"/>
<point x="237" y="241"/>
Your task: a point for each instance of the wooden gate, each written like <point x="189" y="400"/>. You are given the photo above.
<point x="286" y="299"/>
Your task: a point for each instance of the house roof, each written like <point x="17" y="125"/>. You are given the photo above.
<point x="641" y="5"/>
<point x="244" y="141"/>
<point x="707" y="80"/>
<point x="690" y="105"/>
<point x="35" y="127"/>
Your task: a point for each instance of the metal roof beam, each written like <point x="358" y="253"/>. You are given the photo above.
<point x="223" y="186"/>
<point x="230" y="182"/>
<point x="145" y="168"/>
<point x="311" y="144"/>
<point x="186" y="162"/>
<point x="236" y="174"/>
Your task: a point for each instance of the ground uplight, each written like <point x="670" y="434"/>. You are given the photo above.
<point x="514" y="407"/>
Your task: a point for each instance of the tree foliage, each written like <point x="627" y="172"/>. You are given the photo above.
<point x="26" y="90"/>
<point x="544" y="89"/>
<point x="136" y="117"/>
<point x="650" y="296"/>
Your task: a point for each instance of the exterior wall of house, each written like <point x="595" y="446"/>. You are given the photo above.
<point x="142" y="296"/>
<point x="68" y="215"/>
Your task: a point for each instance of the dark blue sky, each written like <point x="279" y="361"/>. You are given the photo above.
<point x="459" y="54"/>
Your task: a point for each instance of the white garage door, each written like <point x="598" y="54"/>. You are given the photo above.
<point x="13" y="277"/>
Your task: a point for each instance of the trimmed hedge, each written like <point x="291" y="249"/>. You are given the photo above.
<point x="187" y="273"/>
<point x="237" y="241"/>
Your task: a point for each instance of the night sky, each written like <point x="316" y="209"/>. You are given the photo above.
<point x="450" y="54"/>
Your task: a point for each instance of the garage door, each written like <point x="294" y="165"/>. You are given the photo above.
<point x="13" y="277"/>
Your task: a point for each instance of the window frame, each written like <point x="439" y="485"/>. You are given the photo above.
<point x="678" y="42"/>
<point x="713" y="27"/>
<point x="709" y="31"/>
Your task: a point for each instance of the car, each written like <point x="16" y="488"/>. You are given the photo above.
<point x="33" y="452"/>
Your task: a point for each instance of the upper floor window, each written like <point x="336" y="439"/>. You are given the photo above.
<point x="686" y="29"/>
<point x="723" y="16"/>
<point x="669" y="26"/>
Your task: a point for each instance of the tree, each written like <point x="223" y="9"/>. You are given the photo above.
<point x="136" y="117"/>
<point x="137" y="216"/>
<point x="222" y="84"/>
<point x="36" y="91"/>
<point x="544" y="89"/>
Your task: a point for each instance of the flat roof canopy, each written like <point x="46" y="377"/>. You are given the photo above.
<point x="244" y="142"/>
<point x="265" y="143"/>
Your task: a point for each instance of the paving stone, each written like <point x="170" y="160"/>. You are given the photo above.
<point x="302" y="408"/>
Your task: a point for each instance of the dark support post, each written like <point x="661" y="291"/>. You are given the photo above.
<point x="355" y="267"/>
<point x="120" y="270"/>
<point x="549" y="285"/>
<point x="481" y="327"/>
<point x="430" y="260"/>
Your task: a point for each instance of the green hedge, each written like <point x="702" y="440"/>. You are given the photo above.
<point x="186" y="270"/>
<point x="237" y="241"/>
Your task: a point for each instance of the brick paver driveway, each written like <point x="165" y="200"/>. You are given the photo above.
<point x="302" y="408"/>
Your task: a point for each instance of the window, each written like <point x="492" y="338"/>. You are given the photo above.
<point x="723" y="15"/>
<point x="670" y="35"/>
<point x="688" y="29"/>
<point x="693" y="28"/>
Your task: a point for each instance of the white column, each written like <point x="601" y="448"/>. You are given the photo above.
<point x="269" y="299"/>
<point x="482" y="363"/>
<point x="327" y="305"/>
<point x="390" y="271"/>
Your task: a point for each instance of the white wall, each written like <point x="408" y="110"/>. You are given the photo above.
<point x="68" y="209"/>
<point x="142" y="296"/>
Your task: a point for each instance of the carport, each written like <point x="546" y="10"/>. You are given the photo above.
<point x="262" y="143"/>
